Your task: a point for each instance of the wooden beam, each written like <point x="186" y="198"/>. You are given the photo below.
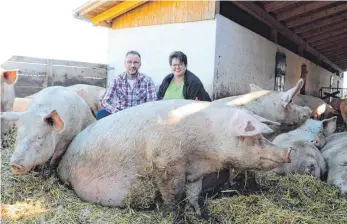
<point x="263" y="16"/>
<point x="339" y="57"/>
<point x="324" y="29"/>
<point x="116" y="11"/>
<point x="328" y="40"/>
<point x="91" y="6"/>
<point x="334" y="49"/>
<point x="320" y="23"/>
<point x="327" y="35"/>
<point x="315" y="16"/>
<point x="273" y="6"/>
<point x="332" y="44"/>
<point x="341" y="51"/>
<point x="306" y="8"/>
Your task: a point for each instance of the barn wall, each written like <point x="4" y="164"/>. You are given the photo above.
<point x="166" y="12"/>
<point x="244" y="57"/>
<point x="155" y="43"/>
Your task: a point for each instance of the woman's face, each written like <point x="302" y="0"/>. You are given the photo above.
<point x="178" y="68"/>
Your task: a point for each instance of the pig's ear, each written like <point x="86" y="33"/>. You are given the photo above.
<point x="53" y="119"/>
<point x="255" y="88"/>
<point x="79" y="92"/>
<point x="10" y="116"/>
<point x="265" y="121"/>
<point x="329" y="126"/>
<point x="9" y="76"/>
<point x="246" y="125"/>
<point x="290" y="94"/>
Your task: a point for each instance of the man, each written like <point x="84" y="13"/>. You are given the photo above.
<point x="181" y="83"/>
<point x="128" y="89"/>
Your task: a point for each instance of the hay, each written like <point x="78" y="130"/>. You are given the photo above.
<point x="289" y="199"/>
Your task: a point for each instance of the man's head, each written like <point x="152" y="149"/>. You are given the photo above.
<point x="178" y="62"/>
<point x="132" y="62"/>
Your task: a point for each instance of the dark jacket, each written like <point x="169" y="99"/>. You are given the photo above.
<point x="192" y="88"/>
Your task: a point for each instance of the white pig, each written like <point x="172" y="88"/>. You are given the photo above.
<point x="90" y="94"/>
<point x="306" y="141"/>
<point x="273" y="105"/>
<point x="8" y="79"/>
<point x="55" y="116"/>
<point x="182" y="140"/>
<point x="335" y="155"/>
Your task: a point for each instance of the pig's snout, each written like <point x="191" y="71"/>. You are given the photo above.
<point x="315" y="142"/>
<point x="17" y="169"/>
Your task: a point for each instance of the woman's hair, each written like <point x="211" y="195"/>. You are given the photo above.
<point x="180" y="56"/>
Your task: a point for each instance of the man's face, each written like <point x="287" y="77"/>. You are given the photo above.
<point x="178" y="68"/>
<point x="132" y="64"/>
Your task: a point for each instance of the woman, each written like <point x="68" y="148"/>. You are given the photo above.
<point x="181" y="83"/>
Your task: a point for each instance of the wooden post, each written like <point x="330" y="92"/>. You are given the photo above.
<point x="301" y="50"/>
<point x="49" y="74"/>
<point x="274" y="35"/>
<point x="303" y="76"/>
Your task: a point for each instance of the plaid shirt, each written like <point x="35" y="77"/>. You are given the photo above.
<point x="120" y="96"/>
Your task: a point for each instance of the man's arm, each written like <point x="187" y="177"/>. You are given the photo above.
<point x="107" y="101"/>
<point x="151" y="92"/>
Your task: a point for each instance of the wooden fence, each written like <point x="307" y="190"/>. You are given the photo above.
<point x="37" y="73"/>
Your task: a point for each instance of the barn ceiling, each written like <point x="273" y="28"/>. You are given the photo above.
<point x="320" y="27"/>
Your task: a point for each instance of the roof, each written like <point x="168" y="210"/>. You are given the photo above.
<point x="102" y="12"/>
<point x="318" y="26"/>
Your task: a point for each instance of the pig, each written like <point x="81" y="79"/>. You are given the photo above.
<point x="8" y="80"/>
<point x="340" y="105"/>
<point x="272" y="105"/>
<point x="21" y="104"/>
<point x="343" y="110"/>
<point x="90" y="94"/>
<point x="312" y="131"/>
<point x="320" y="109"/>
<point x="306" y="141"/>
<point x="180" y="140"/>
<point x="335" y="155"/>
<point x="55" y="116"/>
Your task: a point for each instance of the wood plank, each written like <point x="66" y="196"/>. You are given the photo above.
<point x="165" y="12"/>
<point x="321" y="23"/>
<point x="263" y="16"/>
<point x="315" y="16"/>
<point x="273" y="6"/>
<point x="328" y="40"/>
<point x="91" y="7"/>
<point x="327" y="35"/>
<point x="332" y="44"/>
<point x="117" y="11"/>
<point x="334" y="48"/>
<point x="302" y="10"/>
<point x="324" y="29"/>
<point x="341" y="51"/>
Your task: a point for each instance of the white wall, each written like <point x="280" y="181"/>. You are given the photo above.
<point x="244" y="57"/>
<point x="155" y="43"/>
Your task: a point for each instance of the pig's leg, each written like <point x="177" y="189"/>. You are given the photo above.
<point x="171" y="184"/>
<point x="60" y="149"/>
<point x="196" y="199"/>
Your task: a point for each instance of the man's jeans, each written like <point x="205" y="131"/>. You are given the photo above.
<point x="102" y="113"/>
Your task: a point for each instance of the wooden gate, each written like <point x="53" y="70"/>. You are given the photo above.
<point x="38" y="73"/>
